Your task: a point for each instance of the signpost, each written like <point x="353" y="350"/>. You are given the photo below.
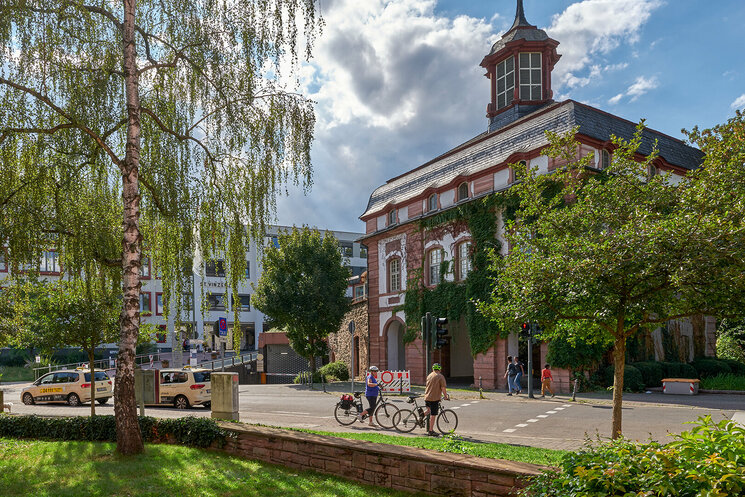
<point x="223" y="331"/>
<point x="352" y="327"/>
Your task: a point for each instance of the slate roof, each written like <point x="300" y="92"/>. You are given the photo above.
<point x="526" y="134"/>
<point x="518" y="34"/>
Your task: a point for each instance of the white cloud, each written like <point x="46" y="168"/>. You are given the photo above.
<point x="739" y="102"/>
<point x="638" y="88"/>
<point x="590" y="29"/>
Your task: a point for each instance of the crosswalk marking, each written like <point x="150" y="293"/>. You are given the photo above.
<point x="522" y="425"/>
<point x="550" y="412"/>
<point x="532" y="421"/>
<point x="542" y="416"/>
<point x="509" y="430"/>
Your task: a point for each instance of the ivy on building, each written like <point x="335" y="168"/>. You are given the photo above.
<point x="456" y="299"/>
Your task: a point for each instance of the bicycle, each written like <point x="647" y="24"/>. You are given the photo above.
<point x="349" y="407"/>
<point x="405" y="420"/>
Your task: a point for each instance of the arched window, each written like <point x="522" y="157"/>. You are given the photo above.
<point x="432" y="203"/>
<point x="462" y="191"/>
<point x="394" y="275"/>
<point x="434" y="258"/>
<point x="392" y="217"/>
<point x="464" y="260"/>
<point x="604" y="159"/>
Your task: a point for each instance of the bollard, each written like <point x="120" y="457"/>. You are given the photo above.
<point x="224" y="396"/>
<point x="574" y="393"/>
<point x="481" y="390"/>
<point x="2" y="405"/>
<point x="323" y="382"/>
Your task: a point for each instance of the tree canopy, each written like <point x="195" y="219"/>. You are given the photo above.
<point x="169" y="121"/>
<point x="615" y="251"/>
<point x="303" y="289"/>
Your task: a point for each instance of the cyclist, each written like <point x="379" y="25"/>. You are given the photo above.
<point x="435" y="389"/>
<point x="371" y="392"/>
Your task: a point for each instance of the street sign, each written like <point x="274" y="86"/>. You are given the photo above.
<point x="223" y="327"/>
<point x="351" y="327"/>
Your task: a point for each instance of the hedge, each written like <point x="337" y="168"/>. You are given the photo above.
<point x="708" y="367"/>
<point x="194" y="432"/>
<point x="737" y="367"/>
<point x="632" y="378"/>
<point x="679" y="370"/>
<point x="652" y="373"/>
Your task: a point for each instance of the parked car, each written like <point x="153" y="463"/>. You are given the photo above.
<point x="184" y="387"/>
<point x="72" y="386"/>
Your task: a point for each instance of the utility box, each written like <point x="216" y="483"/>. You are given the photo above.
<point x="680" y="386"/>
<point x="225" y="396"/>
<point x="146" y="381"/>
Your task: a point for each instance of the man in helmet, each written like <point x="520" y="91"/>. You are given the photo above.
<point x="435" y="389"/>
<point x="371" y="392"/>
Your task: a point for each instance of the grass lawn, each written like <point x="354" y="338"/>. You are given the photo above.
<point x="532" y="455"/>
<point x="39" y="468"/>
<point x="726" y="381"/>
<point x="15" y="373"/>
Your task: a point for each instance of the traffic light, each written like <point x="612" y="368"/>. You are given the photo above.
<point x="441" y="339"/>
<point x="525" y="329"/>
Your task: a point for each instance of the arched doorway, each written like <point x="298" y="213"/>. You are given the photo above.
<point x="396" y="347"/>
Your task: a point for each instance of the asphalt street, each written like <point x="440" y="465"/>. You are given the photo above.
<point x="556" y="423"/>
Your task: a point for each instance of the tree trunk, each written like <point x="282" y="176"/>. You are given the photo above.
<point x="619" y="362"/>
<point x="128" y="436"/>
<point x="93" y="381"/>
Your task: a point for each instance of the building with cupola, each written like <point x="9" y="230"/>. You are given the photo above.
<point x="520" y="109"/>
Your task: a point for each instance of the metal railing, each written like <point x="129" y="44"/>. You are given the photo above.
<point x="214" y="364"/>
<point x="99" y="364"/>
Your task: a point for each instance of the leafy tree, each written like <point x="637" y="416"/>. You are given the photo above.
<point x="303" y="289"/>
<point x="731" y="340"/>
<point x="170" y="121"/>
<point x="621" y="251"/>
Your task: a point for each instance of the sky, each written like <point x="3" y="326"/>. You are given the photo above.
<point x="397" y="83"/>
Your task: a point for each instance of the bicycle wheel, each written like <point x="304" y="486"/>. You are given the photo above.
<point x="345" y="416"/>
<point x="405" y="420"/>
<point x="384" y="415"/>
<point x="447" y="421"/>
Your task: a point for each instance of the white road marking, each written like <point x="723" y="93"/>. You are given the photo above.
<point x="474" y="402"/>
<point x="290" y="412"/>
<point x="465" y="405"/>
<point x="558" y="408"/>
<point x="566" y="405"/>
<point x="455" y="407"/>
<point x="550" y="412"/>
<point x="522" y="425"/>
<point x="509" y="430"/>
<point x="542" y="416"/>
<point x="532" y="421"/>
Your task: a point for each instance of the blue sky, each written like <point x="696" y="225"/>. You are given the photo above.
<point x="398" y="82"/>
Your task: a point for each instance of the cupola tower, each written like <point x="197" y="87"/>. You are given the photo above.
<point x="519" y="69"/>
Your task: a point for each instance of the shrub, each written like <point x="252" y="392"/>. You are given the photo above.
<point x="336" y="369"/>
<point x="13" y="358"/>
<point x="737" y="367"/>
<point x="195" y="432"/>
<point x="304" y="375"/>
<point x="632" y="378"/>
<point x="708" y="368"/>
<point x="679" y="370"/>
<point x="725" y="381"/>
<point x="709" y="460"/>
<point x="652" y="373"/>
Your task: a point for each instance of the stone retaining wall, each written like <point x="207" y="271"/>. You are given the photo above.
<point x="392" y="466"/>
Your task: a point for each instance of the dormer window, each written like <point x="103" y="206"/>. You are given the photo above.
<point x="505" y="82"/>
<point x="432" y="203"/>
<point x="530" y="76"/>
<point x="392" y="217"/>
<point x="604" y="159"/>
<point x="462" y="191"/>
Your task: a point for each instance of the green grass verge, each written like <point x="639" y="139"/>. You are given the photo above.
<point x="38" y="468"/>
<point x="726" y="381"/>
<point x="457" y="445"/>
<point x="15" y="373"/>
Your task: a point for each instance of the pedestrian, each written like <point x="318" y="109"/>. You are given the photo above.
<point x="546" y="379"/>
<point x="434" y="391"/>
<point x="519" y="375"/>
<point x="371" y="392"/>
<point x="510" y="374"/>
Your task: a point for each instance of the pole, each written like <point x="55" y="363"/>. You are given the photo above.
<point x="426" y="323"/>
<point x="530" y="361"/>
<point x="351" y="348"/>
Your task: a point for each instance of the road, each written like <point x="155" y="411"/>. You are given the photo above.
<point x="550" y="423"/>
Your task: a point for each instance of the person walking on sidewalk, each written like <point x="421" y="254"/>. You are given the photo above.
<point x="519" y="375"/>
<point x="511" y="374"/>
<point x="546" y="379"/>
<point x="371" y="392"/>
<point x="435" y="390"/>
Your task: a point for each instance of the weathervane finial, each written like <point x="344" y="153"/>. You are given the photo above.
<point x="520" y="16"/>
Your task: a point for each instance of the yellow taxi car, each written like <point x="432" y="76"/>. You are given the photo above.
<point x="72" y="386"/>
<point x="184" y="387"/>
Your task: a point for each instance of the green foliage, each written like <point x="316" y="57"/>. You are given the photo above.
<point x="632" y="378"/>
<point x="652" y="373"/>
<point x="192" y="431"/>
<point x="576" y="353"/>
<point x="679" y="370"/>
<point x="724" y="381"/>
<point x="731" y="340"/>
<point x="737" y="367"/>
<point x="708" y="367"/>
<point x="336" y="370"/>
<point x="708" y="460"/>
<point x="303" y="289"/>
<point x="456" y="300"/>
<point x="13" y="357"/>
<point x="453" y="444"/>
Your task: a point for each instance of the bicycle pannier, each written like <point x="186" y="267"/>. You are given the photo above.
<point x="346" y="401"/>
